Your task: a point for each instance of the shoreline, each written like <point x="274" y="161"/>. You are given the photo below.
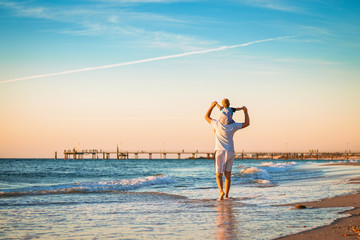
<point x="342" y="228"/>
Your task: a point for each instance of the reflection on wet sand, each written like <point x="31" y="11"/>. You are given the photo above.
<point x="226" y="224"/>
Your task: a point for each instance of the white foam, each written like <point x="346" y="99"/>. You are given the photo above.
<point x="254" y="173"/>
<point x="104" y="186"/>
<point x="249" y="170"/>
<point x="131" y="184"/>
<point x="271" y="167"/>
<point x="262" y="181"/>
<point x="277" y="165"/>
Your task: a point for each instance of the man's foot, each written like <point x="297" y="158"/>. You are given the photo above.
<point x="221" y="196"/>
<point x="227" y="198"/>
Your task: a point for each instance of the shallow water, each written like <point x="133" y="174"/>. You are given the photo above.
<point x="163" y="199"/>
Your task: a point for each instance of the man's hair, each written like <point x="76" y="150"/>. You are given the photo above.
<point x="226" y="103"/>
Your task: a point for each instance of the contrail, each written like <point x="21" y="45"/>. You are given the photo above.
<point x="142" y="61"/>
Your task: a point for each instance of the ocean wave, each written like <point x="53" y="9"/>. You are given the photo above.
<point x="254" y="171"/>
<point x="280" y="167"/>
<point x="262" y="174"/>
<point x="250" y="170"/>
<point x="130" y="184"/>
<point x="255" y="175"/>
<point x="92" y="187"/>
<point x="277" y="165"/>
<point x="262" y="181"/>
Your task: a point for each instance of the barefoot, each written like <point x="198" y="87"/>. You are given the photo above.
<point x="228" y="198"/>
<point x="221" y="196"/>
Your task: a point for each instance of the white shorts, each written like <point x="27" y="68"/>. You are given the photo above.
<point x="224" y="161"/>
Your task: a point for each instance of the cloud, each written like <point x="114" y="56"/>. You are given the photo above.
<point x="279" y="5"/>
<point x="176" y="41"/>
<point x="113" y="19"/>
<point x="310" y="61"/>
<point x="148" y="1"/>
<point x="20" y="9"/>
<point x="144" y="60"/>
<point x="105" y="20"/>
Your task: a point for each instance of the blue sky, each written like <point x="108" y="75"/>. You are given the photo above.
<point x="284" y="82"/>
<point x="162" y="26"/>
<point x="150" y="27"/>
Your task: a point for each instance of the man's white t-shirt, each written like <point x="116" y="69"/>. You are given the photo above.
<point x="224" y="135"/>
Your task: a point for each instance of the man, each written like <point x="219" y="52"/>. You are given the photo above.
<point x="224" y="148"/>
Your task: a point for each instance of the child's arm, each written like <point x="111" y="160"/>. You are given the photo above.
<point x="220" y="107"/>
<point x="239" y="109"/>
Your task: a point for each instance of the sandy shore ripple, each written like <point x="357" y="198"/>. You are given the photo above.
<point x="344" y="228"/>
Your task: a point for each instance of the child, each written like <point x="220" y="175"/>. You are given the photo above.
<point x="227" y="112"/>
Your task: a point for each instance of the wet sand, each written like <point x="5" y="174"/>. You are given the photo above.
<point x="344" y="228"/>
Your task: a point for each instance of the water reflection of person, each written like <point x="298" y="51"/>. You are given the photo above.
<point x="226" y="222"/>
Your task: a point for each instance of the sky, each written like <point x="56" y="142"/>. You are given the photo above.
<point x="141" y="74"/>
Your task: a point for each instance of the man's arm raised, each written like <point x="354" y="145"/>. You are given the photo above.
<point x="247" y="119"/>
<point x="208" y="113"/>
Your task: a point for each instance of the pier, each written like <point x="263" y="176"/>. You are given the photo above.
<point x="100" y="154"/>
<point x="118" y="154"/>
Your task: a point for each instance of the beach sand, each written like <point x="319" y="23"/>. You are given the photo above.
<point x="344" y="228"/>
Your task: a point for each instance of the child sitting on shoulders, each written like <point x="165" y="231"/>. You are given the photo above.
<point x="227" y="112"/>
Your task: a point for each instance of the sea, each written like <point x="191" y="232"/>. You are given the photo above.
<point x="164" y="199"/>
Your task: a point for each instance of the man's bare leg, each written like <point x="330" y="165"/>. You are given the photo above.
<point x="227" y="183"/>
<point x="219" y="181"/>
